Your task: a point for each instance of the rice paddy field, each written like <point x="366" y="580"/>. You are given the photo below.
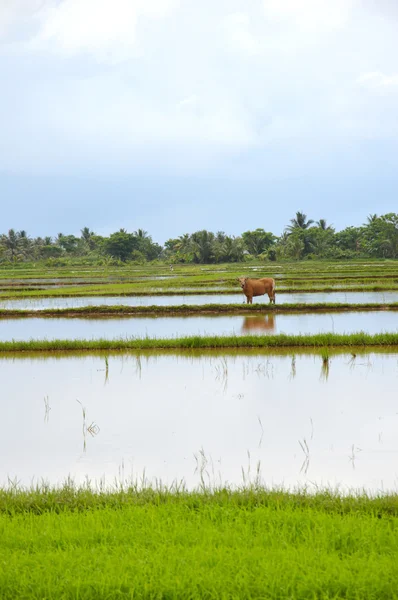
<point x="163" y="439"/>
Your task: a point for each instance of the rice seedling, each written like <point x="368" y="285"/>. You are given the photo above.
<point x="159" y="543"/>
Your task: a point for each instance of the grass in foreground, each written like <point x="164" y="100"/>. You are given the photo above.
<point x="251" y="543"/>
<point x="320" y="340"/>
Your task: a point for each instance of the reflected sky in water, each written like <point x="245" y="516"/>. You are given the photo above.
<point x="305" y="419"/>
<point x="166" y="327"/>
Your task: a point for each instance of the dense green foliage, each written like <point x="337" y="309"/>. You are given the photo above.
<point x="302" y="238"/>
<point x="147" y="544"/>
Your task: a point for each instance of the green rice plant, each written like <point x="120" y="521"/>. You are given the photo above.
<point x="147" y="542"/>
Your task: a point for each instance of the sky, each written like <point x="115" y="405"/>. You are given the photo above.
<point x="177" y="115"/>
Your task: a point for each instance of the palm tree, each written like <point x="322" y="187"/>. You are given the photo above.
<point x="59" y="239"/>
<point x="232" y="249"/>
<point x="141" y="233"/>
<point x="300" y="222"/>
<point x="323" y="225"/>
<point x="11" y="243"/>
<point x="86" y="234"/>
<point x="87" y="237"/>
<point x="183" y="243"/>
<point x="295" y="247"/>
<point x="202" y="246"/>
<point x="24" y="241"/>
<point x="371" y="218"/>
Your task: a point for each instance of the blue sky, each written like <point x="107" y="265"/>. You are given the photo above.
<point x="177" y="115"/>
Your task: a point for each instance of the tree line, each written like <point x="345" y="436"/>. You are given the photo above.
<point x="302" y="239"/>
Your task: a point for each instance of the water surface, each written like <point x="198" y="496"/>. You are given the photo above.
<point x="301" y="420"/>
<point x="306" y="298"/>
<point x="166" y="327"/>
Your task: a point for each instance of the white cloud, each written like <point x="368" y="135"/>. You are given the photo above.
<point x="206" y="82"/>
<point x="104" y="28"/>
<point x="376" y="79"/>
<point x="311" y="15"/>
<point x="13" y="12"/>
<point x="239" y="36"/>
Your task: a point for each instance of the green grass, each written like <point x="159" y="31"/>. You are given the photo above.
<point x="103" y="311"/>
<point x="321" y="340"/>
<point x="162" y="544"/>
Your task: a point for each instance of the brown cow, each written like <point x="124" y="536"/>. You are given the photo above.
<point x="257" y="287"/>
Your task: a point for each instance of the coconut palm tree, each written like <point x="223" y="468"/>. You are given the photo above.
<point x="323" y="225"/>
<point x="86" y="234"/>
<point x="183" y="243"/>
<point x="299" y="222"/>
<point x="141" y="233"/>
<point x="202" y="246"/>
<point x="11" y="243"/>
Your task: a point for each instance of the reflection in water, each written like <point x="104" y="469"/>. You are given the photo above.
<point x="92" y="429"/>
<point x="175" y="326"/>
<point x="47" y="409"/>
<point x="325" y="367"/>
<point x="293" y="367"/>
<point x="306" y="451"/>
<point x="264" y="323"/>
<point x="167" y="414"/>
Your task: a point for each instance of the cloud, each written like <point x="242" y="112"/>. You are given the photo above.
<point x="15" y="13"/>
<point x="310" y="15"/>
<point x="376" y="79"/>
<point x="238" y="34"/>
<point x="106" y="29"/>
<point x="207" y="81"/>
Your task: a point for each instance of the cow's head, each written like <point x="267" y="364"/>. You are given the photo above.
<point x="242" y="281"/>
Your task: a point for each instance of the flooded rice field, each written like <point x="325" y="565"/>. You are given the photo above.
<point x="58" y="281"/>
<point x="298" y="419"/>
<point x="169" y="326"/>
<point x="175" y="300"/>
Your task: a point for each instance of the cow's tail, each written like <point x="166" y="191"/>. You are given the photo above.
<point x="273" y="290"/>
